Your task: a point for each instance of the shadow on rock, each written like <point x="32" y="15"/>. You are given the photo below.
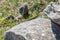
<point x="13" y="36"/>
<point x="56" y="30"/>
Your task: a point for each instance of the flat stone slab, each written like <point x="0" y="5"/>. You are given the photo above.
<point x="37" y="29"/>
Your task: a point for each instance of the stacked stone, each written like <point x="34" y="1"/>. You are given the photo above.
<point x="53" y="12"/>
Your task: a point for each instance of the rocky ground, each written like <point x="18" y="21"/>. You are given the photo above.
<point x="37" y="29"/>
<point x="11" y="7"/>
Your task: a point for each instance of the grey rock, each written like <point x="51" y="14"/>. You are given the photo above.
<point x="37" y="29"/>
<point x="23" y="10"/>
<point x="53" y="12"/>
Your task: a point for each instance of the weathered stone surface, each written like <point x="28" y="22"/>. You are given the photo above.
<point x="37" y="29"/>
<point x="53" y="12"/>
<point x="23" y="10"/>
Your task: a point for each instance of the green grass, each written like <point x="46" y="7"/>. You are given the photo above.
<point x="2" y="33"/>
<point x="6" y="10"/>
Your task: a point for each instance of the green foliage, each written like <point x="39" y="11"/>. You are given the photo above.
<point x="24" y="0"/>
<point x="2" y="32"/>
<point x="14" y="2"/>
